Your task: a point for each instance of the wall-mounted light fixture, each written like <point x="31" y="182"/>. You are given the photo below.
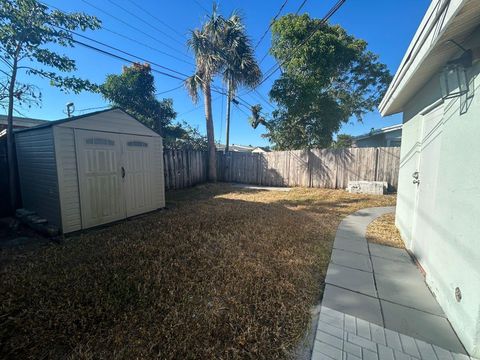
<point x="453" y="79"/>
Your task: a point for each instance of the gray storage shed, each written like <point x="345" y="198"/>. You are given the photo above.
<point x="90" y="170"/>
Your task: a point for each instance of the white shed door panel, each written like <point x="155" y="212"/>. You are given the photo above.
<point x="138" y="152"/>
<point x="100" y="177"/>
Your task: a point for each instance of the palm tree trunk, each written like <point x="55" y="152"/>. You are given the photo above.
<point x="229" y="101"/>
<point x="212" y="152"/>
<point x="10" y="148"/>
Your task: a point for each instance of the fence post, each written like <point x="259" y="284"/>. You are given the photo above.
<point x="376" y="164"/>
<point x="309" y="168"/>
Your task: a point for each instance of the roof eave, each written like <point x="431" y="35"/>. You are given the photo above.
<point x="430" y="32"/>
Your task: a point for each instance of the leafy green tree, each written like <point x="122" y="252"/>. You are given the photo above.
<point x="327" y="78"/>
<point x="26" y="28"/>
<point x="134" y="91"/>
<point x="240" y="67"/>
<point x="343" y="141"/>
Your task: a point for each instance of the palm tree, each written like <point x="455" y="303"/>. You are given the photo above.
<point x="239" y="66"/>
<point x="206" y="44"/>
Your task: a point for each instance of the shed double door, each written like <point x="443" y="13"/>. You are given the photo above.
<point x="114" y="174"/>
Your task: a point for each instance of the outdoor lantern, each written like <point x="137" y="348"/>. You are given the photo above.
<point x="453" y="79"/>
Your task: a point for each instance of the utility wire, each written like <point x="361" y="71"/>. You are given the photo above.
<point x="131" y="39"/>
<point x="170" y="90"/>
<point x="126" y="53"/>
<point x="134" y="28"/>
<point x="271" y="23"/>
<point x="201" y="5"/>
<point x="122" y="58"/>
<point x="157" y="19"/>
<point x="146" y="45"/>
<point x="145" y="22"/>
<point x="301" y="7"/>
<point x="116" y="56"/>
<point x="322" y="22"/>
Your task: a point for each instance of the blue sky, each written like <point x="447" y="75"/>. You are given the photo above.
<point x="386" y="25"/>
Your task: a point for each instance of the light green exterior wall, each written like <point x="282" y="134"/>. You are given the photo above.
<point x="440" y="222"/>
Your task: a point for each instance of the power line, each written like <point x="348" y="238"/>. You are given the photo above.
<point x="122" y="58"/>
<point x="156" y="18"/>
<point x="201" y="5"/>
<point x="170" y="90"/>
<point x="131" y="39"/>
<point x="197" y="107"/>
<point x="301" y="6"/>
<point x="145" y="22"/>
<point x="133" y="27"/>
<point x="146" y="45"/>
<point x="116" y="56"/>
<point x="271" y="23"/>
<point x="126" y="53"/>
<point x="329" y="14"/>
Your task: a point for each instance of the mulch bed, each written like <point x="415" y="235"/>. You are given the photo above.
<point x="225" y="273"/>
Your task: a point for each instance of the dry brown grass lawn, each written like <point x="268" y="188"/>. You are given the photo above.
<point x="384" y="232"/>
<point x="225" y="273"/>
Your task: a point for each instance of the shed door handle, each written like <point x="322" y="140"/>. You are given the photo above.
<point x="123" y="172"/>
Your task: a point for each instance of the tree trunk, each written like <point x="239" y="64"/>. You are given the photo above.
<point x="229" y="100"/>
<point x="212" y="155"/>
<point x="10" y="148"/>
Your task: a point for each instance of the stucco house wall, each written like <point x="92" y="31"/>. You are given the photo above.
<point x="443" y="231"/>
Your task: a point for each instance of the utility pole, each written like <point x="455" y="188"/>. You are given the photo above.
<point x="229" y="100"/>
<point x="70" y="109"/>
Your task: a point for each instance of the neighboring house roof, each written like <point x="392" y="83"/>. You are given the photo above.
<point x="261" y="149"/>
<point x="431" y="49"/>
<point x="21" y="122"/>
<point x="374" y="132"/>
<point x="236" y="148"/>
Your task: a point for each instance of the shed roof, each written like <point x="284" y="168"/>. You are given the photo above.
<point x="108" y="124"/>
<point x="430" y="49"/>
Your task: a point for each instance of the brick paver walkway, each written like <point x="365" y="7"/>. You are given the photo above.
<point x="376" y="304"/>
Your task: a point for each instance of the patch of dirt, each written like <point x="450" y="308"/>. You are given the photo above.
<point x="225" y="273"/>
<point x="384" y="232"/>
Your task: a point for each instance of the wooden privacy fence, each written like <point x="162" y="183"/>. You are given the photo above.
<point x="184" y="168"/>
<point x="323" y="168"/>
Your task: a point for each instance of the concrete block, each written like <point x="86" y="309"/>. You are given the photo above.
<point x="328" y="350"/>
<point x="367" y="187"/>
<point x="369" y="355"/>
<point x="352" y="349"/>
<point x="385" y="353"/>
<point x="329" y="339"/>
<point x="363" y="329"/>
<point x="363" y="343"/>
<point x="409" y="346"/>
